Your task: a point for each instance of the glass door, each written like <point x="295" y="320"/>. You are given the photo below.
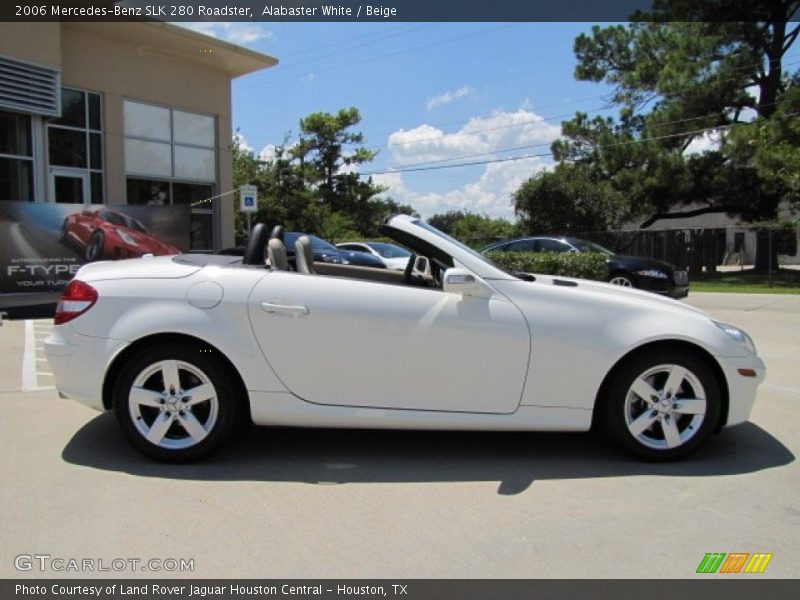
<point x="68" y="186"/>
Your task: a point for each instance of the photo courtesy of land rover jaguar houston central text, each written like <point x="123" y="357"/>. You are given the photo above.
<point x="184" y="348"/>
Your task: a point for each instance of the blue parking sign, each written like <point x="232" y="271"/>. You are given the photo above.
<point x="249" y="198"/>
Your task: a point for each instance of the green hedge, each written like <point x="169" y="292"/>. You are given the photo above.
<point x="584" y="265"/>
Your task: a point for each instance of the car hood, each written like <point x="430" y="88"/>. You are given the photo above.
<point x="361" y="258"/>
<point x="155" y="267"/>
<point x="397" y="263"/>
<point x="150" y="243"/>
<point x="597" y="291"/>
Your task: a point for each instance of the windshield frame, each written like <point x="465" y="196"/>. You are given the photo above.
<point x="423" y="238"/>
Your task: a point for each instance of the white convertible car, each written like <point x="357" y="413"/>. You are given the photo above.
<point x="185" y="348"/>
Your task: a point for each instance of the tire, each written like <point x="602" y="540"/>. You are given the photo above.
<point x="62" y="234"/>
<point x="621" y="279"/>
<point x="665" y="426"/>
<point x="176" y="427"/>
<point x="95" y="246"/>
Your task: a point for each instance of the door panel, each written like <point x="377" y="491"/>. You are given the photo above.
<point x="342" y="341"/>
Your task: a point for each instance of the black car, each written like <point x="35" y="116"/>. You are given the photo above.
<point x="327" y="252"/>
<point x="629" y="271"/>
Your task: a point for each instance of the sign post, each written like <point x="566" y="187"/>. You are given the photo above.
<point x="248" y="202"/>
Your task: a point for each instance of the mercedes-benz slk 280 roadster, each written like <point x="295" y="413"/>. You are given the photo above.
<point x="185" y="348"/>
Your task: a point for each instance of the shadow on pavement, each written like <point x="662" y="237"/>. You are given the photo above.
<point x="330" y="456"/>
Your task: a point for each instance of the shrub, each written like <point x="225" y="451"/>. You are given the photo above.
<point x="583" y="265"/>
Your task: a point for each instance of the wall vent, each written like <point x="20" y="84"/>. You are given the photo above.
<point x="26" y="87"/>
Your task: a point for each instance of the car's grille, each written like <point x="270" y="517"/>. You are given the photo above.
<point x="681" y="278"/>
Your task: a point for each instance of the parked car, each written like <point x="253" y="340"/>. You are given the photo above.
<point x="184" y="348"/>
<point x="393" y="256"/>
<point x="323" y="252"/>
<point x="109" y="235"/>
<point x="327" y="252"/>
<point x="628" y="271"/>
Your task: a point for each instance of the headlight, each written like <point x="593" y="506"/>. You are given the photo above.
<point x="654" y="273"/>
<point x="738" y="335"/>
<point x="126" y="238"/>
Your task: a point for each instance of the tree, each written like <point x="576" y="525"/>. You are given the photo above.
<point x="481" y="230"/>
<point x="569" y="202"/>
<point x="323" y="138"/>
<point x="310" y="186"/>
<point x="685" y="68"/>
<point x="473" y="229"/>
<point x="772" y="146"/>
<point x="445" y="222"/>
<point x="283" y="195"/>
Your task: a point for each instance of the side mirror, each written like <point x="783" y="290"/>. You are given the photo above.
<point x="422" y="266"/>
<point x="465" y="283"/>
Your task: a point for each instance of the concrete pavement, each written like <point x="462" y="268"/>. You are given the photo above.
<point x="314" y="503"/>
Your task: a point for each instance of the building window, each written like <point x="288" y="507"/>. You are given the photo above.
<point x="171" y="158"/>
<point x="75" y="147"/>
<point x="16" y="157"/>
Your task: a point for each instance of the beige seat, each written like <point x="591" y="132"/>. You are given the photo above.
<point x="276" y="252"/>
<point x="304" y="255"/>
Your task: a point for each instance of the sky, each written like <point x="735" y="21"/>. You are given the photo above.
<point x="428" y="93"/>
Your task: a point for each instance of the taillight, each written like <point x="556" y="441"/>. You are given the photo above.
<point x="76" y="299"/>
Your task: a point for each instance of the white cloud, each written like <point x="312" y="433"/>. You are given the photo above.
<point x="310" y="77"/>
<point x="448" y="97"/>
<point x="267" y="152"/>
<point x="480" y="135"/>
<point x="491" y="194"/>
<point x="237" y="33"/>
<point x="710" y="140"/>
<point x="238" y="137"/>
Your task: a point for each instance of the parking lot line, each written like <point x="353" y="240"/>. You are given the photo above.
<point x="34" y="363"/>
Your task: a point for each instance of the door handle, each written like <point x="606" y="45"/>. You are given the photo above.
<point x="291" y="309"/>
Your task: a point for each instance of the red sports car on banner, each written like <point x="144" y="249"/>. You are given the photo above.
<point x="108" y="235"/>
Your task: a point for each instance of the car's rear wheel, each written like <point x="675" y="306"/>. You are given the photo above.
<point x="175" y="402"/>
<point x="95" y="247"/>
<point x="663" y="404"/>
<point x="621" y="279"/>
<point x="62" y="233"/>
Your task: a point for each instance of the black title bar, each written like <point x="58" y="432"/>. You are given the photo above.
<point x="396" y="589"/>
<point x="357" y="10"/>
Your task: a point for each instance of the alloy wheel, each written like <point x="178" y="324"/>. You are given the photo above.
<point x="621" y="280"/>
<point x="173" y="404"/>
<point x="665" y="406"/>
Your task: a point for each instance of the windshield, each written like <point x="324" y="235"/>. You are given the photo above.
<point x="389" y="250"/>
<point x="113" y="218"/>
<point x="464" y="247"/>
<point x="290" y="238"/>
<point x="134" y="224"/>
<point x="585" y="246"/>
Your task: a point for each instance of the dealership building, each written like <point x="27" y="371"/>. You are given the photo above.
<point x="121" y="113"/>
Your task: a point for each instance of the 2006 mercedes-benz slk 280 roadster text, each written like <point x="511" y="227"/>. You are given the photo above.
<point x="184" y="348"/>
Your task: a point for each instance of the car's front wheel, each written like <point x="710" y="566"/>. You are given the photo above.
<point x="663" y="404"/>
<point x="175" y="402"/>
<point x="95" y="247"/>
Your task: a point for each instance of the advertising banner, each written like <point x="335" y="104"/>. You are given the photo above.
<point x="42" y="245"/>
